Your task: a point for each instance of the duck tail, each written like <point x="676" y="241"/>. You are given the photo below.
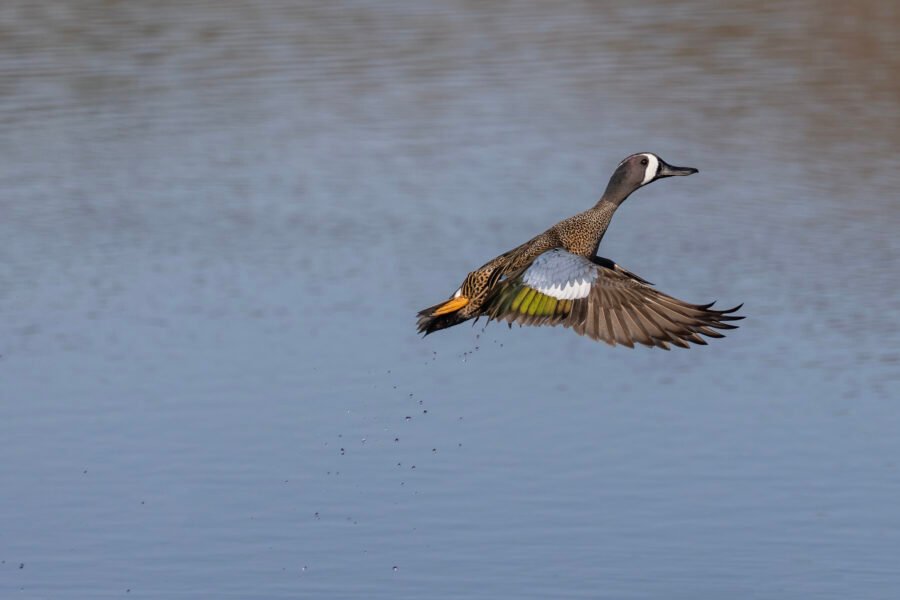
<point x="441" y="316"/>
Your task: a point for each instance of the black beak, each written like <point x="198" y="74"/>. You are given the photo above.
<point x="667" y="170"/>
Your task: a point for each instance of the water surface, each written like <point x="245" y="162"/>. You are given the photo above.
<point x="220" y="219"/>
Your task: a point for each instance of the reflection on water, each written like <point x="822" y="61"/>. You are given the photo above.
<point x="219" y="220"/>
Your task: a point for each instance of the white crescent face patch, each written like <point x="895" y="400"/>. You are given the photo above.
<point x="652" y="166"/>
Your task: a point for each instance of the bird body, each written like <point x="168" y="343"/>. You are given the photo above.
<point x="556" y="278"/>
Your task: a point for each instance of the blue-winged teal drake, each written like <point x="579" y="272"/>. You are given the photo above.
<point x="557" y="278"/>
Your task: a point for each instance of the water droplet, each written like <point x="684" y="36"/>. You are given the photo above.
<point x="408" y="418"/>
<point x="395" y="568"/>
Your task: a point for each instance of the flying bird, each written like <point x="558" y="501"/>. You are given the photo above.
<point x="556" y="278"/>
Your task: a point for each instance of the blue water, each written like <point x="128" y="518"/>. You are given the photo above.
<point x="218" y="222"/>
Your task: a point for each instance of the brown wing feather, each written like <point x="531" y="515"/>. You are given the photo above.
<point x="620" y="308"/>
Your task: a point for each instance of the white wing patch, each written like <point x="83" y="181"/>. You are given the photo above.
<point x="571" y="291"/>
<point x="561" y="275"/>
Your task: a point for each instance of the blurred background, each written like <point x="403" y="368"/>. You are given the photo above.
<point x="217" y="222"/>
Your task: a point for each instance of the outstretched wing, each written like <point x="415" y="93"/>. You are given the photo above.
<point x="603" y="301"/>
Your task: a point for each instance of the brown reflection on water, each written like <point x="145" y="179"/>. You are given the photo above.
<point x="400" y="88"/>
<point x="829" y="68"/>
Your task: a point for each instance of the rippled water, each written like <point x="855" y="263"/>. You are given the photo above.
<point x="220" y="218"/>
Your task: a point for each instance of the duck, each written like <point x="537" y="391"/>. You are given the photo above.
<point x="557" y="279"/>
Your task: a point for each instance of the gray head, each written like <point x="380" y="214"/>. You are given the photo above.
<point x="637" y="171"/>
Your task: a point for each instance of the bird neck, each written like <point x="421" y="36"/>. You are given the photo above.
<point x="614" y="195"/>
<point x="605" y="205"/>
<point x="599" y="217"/>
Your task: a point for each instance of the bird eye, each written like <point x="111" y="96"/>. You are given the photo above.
<point x="644" y="161"/>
